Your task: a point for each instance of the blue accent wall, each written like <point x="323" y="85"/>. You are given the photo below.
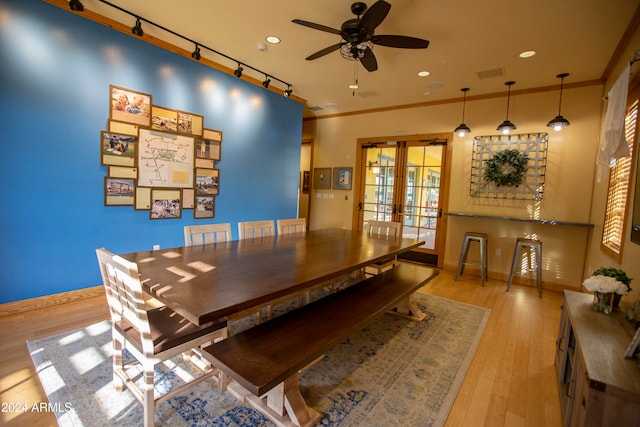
<point x="55" y="72"/>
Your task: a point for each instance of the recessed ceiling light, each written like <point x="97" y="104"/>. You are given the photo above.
<point x="527" y="54"/>
<point x="272" y="39"/>
<point x="423" y="73"/>
<point x="353" y="86"/>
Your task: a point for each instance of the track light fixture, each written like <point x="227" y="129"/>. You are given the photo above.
<point x="558" y="122"/>
<point x="288" y="92"/>
<point x="238" y="71"/>
<point x="506" y="126"/>
<point x="137" y="29"/>
<point x="196" y="53"/>
<point x="463" y="129"/>
<point x="76" y="5"/>
<point x="266" y="82"/>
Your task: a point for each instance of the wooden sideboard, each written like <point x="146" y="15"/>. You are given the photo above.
<point x="598" y="386"/>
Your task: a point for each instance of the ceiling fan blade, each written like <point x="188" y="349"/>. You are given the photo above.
<point x="368" y="60"/>
<point x="403" y="42"/>
<point x="324" y="51"/>
<point x="316" y="26"/>
<point x="375" y="15"/>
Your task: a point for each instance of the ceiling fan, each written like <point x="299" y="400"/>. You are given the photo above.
<point x="358" y="35"/>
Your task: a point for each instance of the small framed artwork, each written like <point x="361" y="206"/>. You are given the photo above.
<point x="119" y="191"/>
<point x="306" y="182"/>
<point x="123" y="128"/>
<point x="188" y="198"/>
<point x="322" y="178"/>
<point x="143" y="198"/>
<point x="126" y="105"/>
<point x="213" y="135"/>
<point x="122" y="172"/>
<point x="190" y="123"/>
<point x="342" y="178"/>
<point x="207" y="182"/>
<point x="633" y="345"/>
<point x="165" y="203"/>
<point x="164" y="119"/>
<point x="117" y="149"/>
<point x="207" y="149"/>
<point x="204" y="207"/>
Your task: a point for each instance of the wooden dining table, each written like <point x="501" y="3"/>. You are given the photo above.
<point x="213" y="281"/>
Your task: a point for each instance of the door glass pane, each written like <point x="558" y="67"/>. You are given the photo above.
<point x="379" y="182"/>
<point x="422" y="193"/>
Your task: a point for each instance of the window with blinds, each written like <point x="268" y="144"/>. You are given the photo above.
<point x="618" y="193"/>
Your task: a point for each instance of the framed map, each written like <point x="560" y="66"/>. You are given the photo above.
<point x="165" y="159"/>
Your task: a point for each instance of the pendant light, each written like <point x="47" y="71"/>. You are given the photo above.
<point x="558" y="122"/>
<point x="506" y="126"/>
<point x="463" y="129"/>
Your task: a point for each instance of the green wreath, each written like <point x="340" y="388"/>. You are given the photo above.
<point x="506" y="168"/>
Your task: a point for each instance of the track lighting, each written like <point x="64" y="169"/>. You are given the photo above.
<point x="463" y="129"/>
<point x="266" y="82"/>
<point x="137" y="29"/>
<point x="558" y="122"/>
<point x="196" y="53"/>
<point x="76" y="5"/>
<point x="288" y="92"/>
<point x="506" y="126"/>
<point x="238" y="71"/>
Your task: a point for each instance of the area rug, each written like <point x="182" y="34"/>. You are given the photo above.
<point x="395" y="372"/>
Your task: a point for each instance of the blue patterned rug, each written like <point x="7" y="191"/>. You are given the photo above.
<point x="396" y="372"/>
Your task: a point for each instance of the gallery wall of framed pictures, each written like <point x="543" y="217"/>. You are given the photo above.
<point x="158" y="159"/>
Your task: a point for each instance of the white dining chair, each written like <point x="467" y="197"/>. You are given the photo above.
<point x="290" y="226"/>
<point x="206" y="233"/>
<point x="150" y="336"/>
<point x="255" y="229"/>
<point x="386" y="230"/>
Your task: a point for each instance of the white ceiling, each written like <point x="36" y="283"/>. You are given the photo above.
<point x="466" y="37"/>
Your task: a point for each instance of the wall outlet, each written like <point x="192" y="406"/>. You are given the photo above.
<point x="498" y="252"/>
<point x="156" y="247"/>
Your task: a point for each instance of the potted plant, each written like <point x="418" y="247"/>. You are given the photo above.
<point x="608" y="285"/>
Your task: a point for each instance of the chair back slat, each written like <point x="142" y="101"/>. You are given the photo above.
<point x="383" y="228"/>
<point x="290" y="226"/>
<point x="121" y="280"/>
<point x="255" y="229"/>
<point x="206" y="233"/>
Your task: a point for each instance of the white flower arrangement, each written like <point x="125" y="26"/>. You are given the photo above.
<point x="605" y="284"/>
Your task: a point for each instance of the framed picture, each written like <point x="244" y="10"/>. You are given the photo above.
<point x="342" y="178"/>
<point x="117" y="149"/>
<point x="188" y="198"/>
<point x="164" y="119"/>
<point x="119" y="191"/>
<point x="190" y="123"/>
<point x="122" y="172"/>
<point x="207" y="149"/>
<point x="204" y="207"/>
<point x="165" y="203"/>
<point x="143" y="198"/>
<point x="211" y="134"/>
<point x="633" y="345"/>
<point x="306" y="182"/>
<point x="123" y="128"/>
<point x="322" y="178"/>
<point x="165" y="159"/>
<point x="126" y="105"/>
<point x="207" y="182"/>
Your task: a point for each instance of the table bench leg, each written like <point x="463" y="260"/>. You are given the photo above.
<point x="409" y="309"/>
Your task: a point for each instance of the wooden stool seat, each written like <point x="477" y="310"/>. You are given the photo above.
<point x="531" y="245"/>
<point x="482" y="239"/>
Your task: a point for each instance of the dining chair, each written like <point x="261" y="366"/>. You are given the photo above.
<point x="290" y="226"/>
<point x="254" y="229"/>
<point x="387" y="230"/>
<point x="206" y="233"/>
<point x="150" y="336"/>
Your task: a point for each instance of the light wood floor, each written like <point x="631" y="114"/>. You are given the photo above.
<point x="511" y="381"/>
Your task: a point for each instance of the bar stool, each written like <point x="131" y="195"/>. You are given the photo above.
<point x="531" y="245"/>
<point x="482" y="239"/>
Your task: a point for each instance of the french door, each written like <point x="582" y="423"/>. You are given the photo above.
<point x="404" y="181"/>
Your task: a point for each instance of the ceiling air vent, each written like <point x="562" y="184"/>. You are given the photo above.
<point x="487" y="74"/>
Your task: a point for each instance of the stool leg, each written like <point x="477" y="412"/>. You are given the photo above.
<point x="539" y="269"/>
<point x="463" y="257"/>
<point x="513" y="265"/>
<point x="483" y="261"/>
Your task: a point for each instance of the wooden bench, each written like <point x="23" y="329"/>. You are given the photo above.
<point x="265" y="360"/>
